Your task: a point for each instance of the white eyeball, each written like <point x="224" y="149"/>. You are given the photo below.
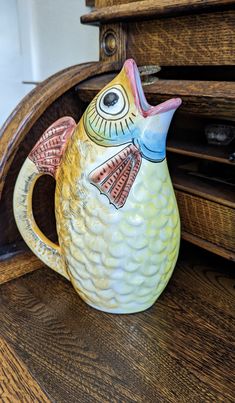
<point x="113" y="103"/>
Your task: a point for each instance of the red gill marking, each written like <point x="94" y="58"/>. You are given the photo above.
<point x="116" y="176"/>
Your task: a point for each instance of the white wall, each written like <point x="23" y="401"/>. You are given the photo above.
<point x="37" y="39"/>
<point x="53" y="37"/>
<point x="11" y="87"/>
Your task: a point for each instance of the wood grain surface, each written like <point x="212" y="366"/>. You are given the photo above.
<point x="114" y="10"/>
<point x="107" y="3"/>
<point x="17" y="265"/>
<point x="200" y="39"/>
<point x="220" y="193"/>
<point x="180" y="350"/>
<point x="16" y="383"/>
<point x="90" y="3"/>
<point x="209" y="246"/>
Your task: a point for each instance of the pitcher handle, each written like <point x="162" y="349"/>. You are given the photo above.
<point x="43" y="159"/>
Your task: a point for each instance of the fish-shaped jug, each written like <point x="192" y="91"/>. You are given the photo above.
<point x="116" y="214"/>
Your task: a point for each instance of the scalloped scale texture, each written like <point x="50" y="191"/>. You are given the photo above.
<point x="119" y="261"/>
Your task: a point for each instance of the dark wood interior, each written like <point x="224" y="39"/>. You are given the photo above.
<point x="214" y="99"/>
<point x="181" y="349"/>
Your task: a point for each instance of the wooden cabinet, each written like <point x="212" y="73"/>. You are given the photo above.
<point x="194" y="44"/>
<point x="58" y="347"/>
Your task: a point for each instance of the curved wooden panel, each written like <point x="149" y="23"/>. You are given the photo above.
<point x="50" y="100"/>
<point x="35" y="103"/>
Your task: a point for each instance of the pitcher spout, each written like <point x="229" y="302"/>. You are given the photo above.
<point x="154" y="121"/>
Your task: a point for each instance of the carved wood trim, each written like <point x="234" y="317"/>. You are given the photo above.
<point x="113" y="43"/>
<point x="152" y="9"/>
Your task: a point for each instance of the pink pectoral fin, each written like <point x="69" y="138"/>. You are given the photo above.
<point x="115" y="177"/>
<point x="48" y="151"/>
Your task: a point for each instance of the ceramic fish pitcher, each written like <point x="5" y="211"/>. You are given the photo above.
<point x="116" y="213"/>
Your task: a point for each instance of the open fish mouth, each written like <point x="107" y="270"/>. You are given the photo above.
<point x="114" y="178"/>
<point x="142" y="104"/>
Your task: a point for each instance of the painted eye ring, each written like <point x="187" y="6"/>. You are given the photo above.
<point x="113" y="104"/>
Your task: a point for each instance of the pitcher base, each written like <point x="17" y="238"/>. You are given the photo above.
<point x="122" y="310"/>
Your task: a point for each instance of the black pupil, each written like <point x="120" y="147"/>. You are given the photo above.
<point x="110" y="99"/>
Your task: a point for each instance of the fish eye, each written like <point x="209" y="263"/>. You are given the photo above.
<point x="110" y="99"/>
<point x="113" y="103"/>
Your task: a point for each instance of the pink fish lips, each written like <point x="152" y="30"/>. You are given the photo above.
<point x="140" y="100"/>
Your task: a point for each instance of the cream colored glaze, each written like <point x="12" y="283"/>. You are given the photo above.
<point x="118" y="260"/>
<point x="46" y="250"/>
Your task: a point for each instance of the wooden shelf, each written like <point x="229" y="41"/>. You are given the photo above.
<point x="17" y="384"/>
<point x="207" y="213"/>
<point x="202" y="151"/>
<point x="211" y="247"/>
<point x="214" y="99"/>
<point x="18" y="264"/>
<point x="152" y="8"/>
<point x="221" y="193"/>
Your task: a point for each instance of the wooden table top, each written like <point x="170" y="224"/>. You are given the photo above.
<point x="53" y="347"/>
